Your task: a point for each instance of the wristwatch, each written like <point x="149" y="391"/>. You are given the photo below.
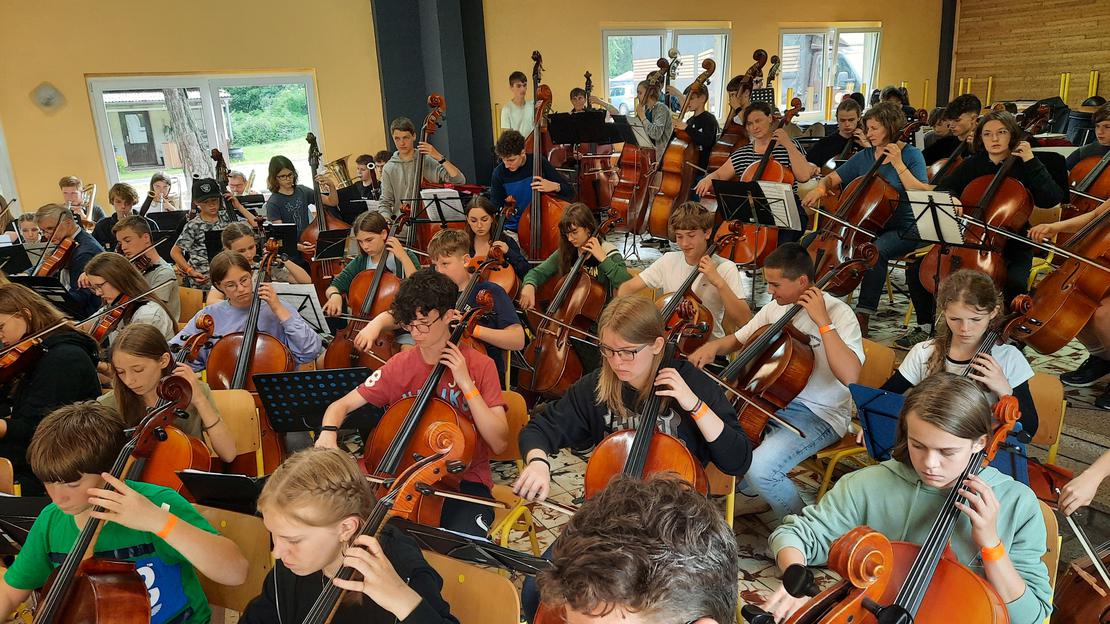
<point x="442" y="160"/>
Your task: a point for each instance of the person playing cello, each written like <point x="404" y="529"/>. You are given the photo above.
<point x="481" y="217"/>
<point x="1101" y="145"/>
<point x="823" y="408"/>
<point x="1000" y="533"/>
<point x="513" y="176"/>
<point x="962" y="114"/>
<point x="425" y="307"/>
<point x="371" y="232"/>
<point x="848" y="129"/>
<point x="150" y="525"/>
<point x="701" y="127"/>
<point x="241" y="238"/>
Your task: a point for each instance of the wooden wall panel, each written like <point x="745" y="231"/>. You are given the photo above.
<point x="1026" y="45"/>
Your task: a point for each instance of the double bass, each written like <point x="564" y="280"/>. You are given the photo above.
<point x="538" y="228"/>
<point x="322" y="271"/>
<point x="675" y="169"/>
<point x="553" y="365"/>
<point x="91" y="590"/>
<point x="595" y="175"/>
<point x="423" y="228"/>
<point x="733" y="133"/>
<point x="370" y="294"/>
<point x="657" y="80"/>
<point x="1082" y="593"/>
<point x="868" y="202"/>
<point x="237" y="357"/>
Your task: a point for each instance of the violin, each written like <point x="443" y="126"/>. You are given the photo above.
<point x="236" y="358"/>
<point x="445" y="449"/>
<point x="538" y="227"/>
<point x="869" y="201"/>
<point x="322" y="271"/>
<point x="401" y="435"/>
<point x="644" y="450"/>
<point x="22" y="356"/>
<point x="776" y="363"/>
<point x="1001" y="202"/>
<point x="1067" y="298"/>
<point x="904" y="582"/>
<point x="504" y="276"/>
<point x="63" y="251"/>
<point x="86" y="589"/>
<point x="553" y="363"/>
<point x="669" y="304"/>
<point x="424" y="229"/>
<point x="110" y="320"/>
<point x="675" y="169"/>
<point x="1089" y="180"/>
<point x="370" y="294"/>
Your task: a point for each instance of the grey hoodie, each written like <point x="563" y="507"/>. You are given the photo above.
<point x="397" y="179"/>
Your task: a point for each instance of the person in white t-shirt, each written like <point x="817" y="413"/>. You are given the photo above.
<point x="518" y="113"/>
<point x="969" y="303"/>
<point x="721" y="286"/>
<point x="823" y="408"/>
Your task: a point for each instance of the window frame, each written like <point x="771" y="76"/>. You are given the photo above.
<point x="834" y="32"/>
<point x="7" y="175"/>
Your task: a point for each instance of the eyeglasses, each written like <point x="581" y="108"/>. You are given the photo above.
<point x="243" y="284"/>
<point x="96" y="287"/>
<point x="625" y="355"/>
<point x="286" y="176"/>
<point x="424" y="326"/>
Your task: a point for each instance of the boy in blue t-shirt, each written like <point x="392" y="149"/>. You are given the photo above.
<point x="513" y="176"/>
<point x="149" y="525"/>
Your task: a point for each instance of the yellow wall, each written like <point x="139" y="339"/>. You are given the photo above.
<point x="63" y="41"/>
<point x="570" y="38"/>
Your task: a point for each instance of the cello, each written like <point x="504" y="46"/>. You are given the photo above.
<point x="538" y="227"/>
<point x="1079" y="597"/>
<point x="400" y="435"/>
<point x="322" y="271"/>
<point x="237" y="357"/>
<point x="378" y="288"/>
<point x="1001" y="202"/>
<point x="868" y="202"/>
<point x="1090" y="181"/>
<point x="88" y="590"/>
<point x="733" y="134"/>
<point x="656" y="81"/>
<point x="423" y="229"/>
<point x="767" y="169"/>
<point x="675" y="169"/>
<point x="504" y="276"/>
<point x="553" y="364"/>
<point x="776" y="363"/>
<point x="889" y="581"/>
<point x="595" y="175"/>
<point x="640" y="452"/>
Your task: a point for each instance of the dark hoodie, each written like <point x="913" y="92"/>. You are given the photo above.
<point x="286" y="598"/>
<point x="65" y="374"/>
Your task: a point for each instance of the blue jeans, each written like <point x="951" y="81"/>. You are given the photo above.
<point x="891" y="246"/>
<point x="780" y="451"/>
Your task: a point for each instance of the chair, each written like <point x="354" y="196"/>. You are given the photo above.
<point x="1043" y="265"/>
<point x="192" y="300"/>
<point x="7" y="477"/>
<point x="519" y="515"/>
<point x="878" y="366"/>
<point x="649" y="293"/>
<point x="1048" y="396"/>
<point x="476" y="595"/>
<point x="721" y="484"/>
<point x="252" y="538"/>
<point x="238" y="410"/>
<point x="1051" y="557"/>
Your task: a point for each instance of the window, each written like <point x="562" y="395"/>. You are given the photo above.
<point x="813" y="59"/>
<point x="170" y="124"/>
<point x="7" y="179"/>
<point x="630" y="55"/>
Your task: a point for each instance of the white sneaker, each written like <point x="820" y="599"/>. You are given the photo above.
<point x="749" y="505"/>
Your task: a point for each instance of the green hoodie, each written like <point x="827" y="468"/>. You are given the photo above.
<point x="891" y="499"/>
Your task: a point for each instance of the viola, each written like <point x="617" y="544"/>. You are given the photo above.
<point x="868" y="202"/>
<point x="237" y="357"/>
<point x="109" y="321"/>
<point x="446" y="447"/>
<point x="553" y="363"/>
<point x="321" y="271"/>
<point x="776" y="363"/>
<point x="370" y="294"/>
<point x="88" y="589"/>
<point x="539" y="224"/>
<point x="675" y="169"/>
<point x="421" y="233"/>
<point x="52" y="263"/>
<point x="669" y="304"/>
<point x="401" y="434"/>
<point x="1001" y="202"/>
<point x="920" y="583"/>
<point x="644" y="450"/>
<point x="20" y="358"/>
<point x="1067" y="298"/>
<point x="502" y="274"/>
<point x="1089" y="180"/>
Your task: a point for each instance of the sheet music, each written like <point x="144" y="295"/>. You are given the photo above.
<point x="303" y="299"/>
<point x="449" y="202"/>
<point x="780" y="199"/>
<point x="924" y="203"/>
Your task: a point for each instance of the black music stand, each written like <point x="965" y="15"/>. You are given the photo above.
<point x="165" y="240"/>
<point x="878" y="412"/>
<point x="330" y="244"/>
<point x="213" y="243"/>
<point x="52" y="290"/>
<point x="435" y="209"/>
<point x="14" y="259"/>
<point x="295" y="402"/>
<point x="748" y="202"/>
<point x="17" y="515"/>
<point x="286" y="233"/>
<point x="471" y="549"/>
<point x="233" y="492"/>
<point x="172" y="221"/>
<point x="574" y="128"/>
<point x="252" y="202"/>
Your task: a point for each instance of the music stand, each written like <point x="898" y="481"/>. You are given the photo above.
<point x="936" y="223"/>
<point x="213" y="243"/>
<point x="878" y="412"/>
<point x="286" y="233"/>
<point x="51" y="289"/>
<point x="304" y="299"/>
<point x="17" y="515"/>
<point x="252" y="201"/>
<point x="767" y="96"/>
<point x="14" y="259"/>
<point x="295" y="402"/>
<point x="164" y="241"/>
<point x="172" y="221"/>
<point x="631" y="130"/>
<point x="233" y="492"/>
<point x="331" y="244"/>
<point x="574" y="128"/>
<point x="439" y="205"/>
<point x="471" y="549"/>
<point x="759" y="203"/>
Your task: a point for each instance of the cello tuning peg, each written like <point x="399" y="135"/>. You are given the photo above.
<point x="160" y="434"/>
<point x="180" y="413"/>
<point x="424" y="489"/>
<point x="798" y="581"/>
<point x="455" y="466"/>
<point x="754" y="615"/>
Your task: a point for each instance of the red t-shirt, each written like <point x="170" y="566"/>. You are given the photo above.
<point x="405" y="373"/>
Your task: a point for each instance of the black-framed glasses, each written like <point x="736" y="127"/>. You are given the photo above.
<point x="625" y="355"/>
<point x="424" y="326"/>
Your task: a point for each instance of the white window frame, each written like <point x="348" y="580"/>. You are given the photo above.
<point x="7" y="176"/>
<point x="209" y="86"/>
<point x="668" y="38"/>
<point x="830" y="62"/>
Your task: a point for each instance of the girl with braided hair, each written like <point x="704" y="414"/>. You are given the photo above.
<point x="313" y="504"/>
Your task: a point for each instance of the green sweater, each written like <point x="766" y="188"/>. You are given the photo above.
<point x="362" y="263"/>
<point x="611" y="271"/>
<point x="891" y="499"/>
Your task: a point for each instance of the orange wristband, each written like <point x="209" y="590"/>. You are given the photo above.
<point x="473" y="394"/>
<point x="700" y="412"/>
<point x="474" y="332"/>
<point x="824" y="329"/>
<point x="994" y="553"/>
<point x="167" y="528"/>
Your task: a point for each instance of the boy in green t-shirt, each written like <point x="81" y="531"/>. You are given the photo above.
<point x="152" y="526"/>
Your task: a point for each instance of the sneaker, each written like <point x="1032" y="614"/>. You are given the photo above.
<point x="1090" y="371"/>
<point x="1103" y="400"/>
<point x="749" y="505"/>
<point x="912" y="337"/>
